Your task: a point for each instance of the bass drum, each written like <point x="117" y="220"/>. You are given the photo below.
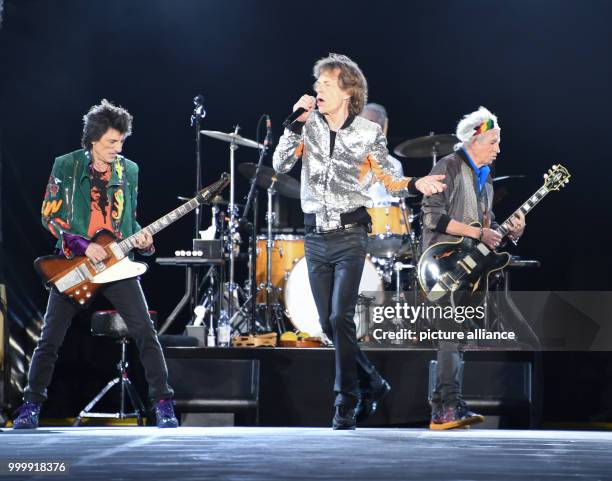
<point x="300" y="305"/>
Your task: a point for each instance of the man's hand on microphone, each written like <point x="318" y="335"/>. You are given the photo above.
<point x="306" y="102"/>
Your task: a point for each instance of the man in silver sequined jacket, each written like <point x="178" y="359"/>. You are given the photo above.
<point x="342" y="156"/>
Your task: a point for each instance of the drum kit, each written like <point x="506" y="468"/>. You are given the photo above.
<point x="277" y="288"/>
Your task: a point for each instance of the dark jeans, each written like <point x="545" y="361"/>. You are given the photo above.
<point x="129" y="300"/>
<point x="449" y="376"/>
<point x="335" y="264"/>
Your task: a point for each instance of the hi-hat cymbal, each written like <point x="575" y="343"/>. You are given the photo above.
<point x="427" y="146"/>
<point x="232" y="138"/>
<point x="284" y="185"/>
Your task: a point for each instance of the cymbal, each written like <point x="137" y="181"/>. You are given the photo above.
<point x="426" y="146"/>
<point x="508" y="177"/>
<point x="284" y="185"/>
<point x="232" y="138"/>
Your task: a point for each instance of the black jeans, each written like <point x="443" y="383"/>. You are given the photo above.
<point x="129" y="300"/>
<point x="335" y="264"/>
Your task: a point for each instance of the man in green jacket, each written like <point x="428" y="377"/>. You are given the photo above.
<point x="91" y="189"/>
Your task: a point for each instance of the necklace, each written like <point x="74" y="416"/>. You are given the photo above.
<point x="104" y="169"/>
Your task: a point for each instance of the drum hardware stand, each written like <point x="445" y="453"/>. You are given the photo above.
<point x="187" y="297"/>
<point x="208" y="301"/>
<point x="408" y="223"/>
<point x="363" y="307"/>
<point x="270" y="217"/>
<point x="399" y="267"/>
<point x="434" y="152"/>
<point x="253" y="197"/>
<point x="232" y="230"/>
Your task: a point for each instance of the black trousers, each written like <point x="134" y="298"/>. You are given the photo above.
<point x="449" y="376"/>
<point x="130" y="303"/>
<point x="335" y="264"/>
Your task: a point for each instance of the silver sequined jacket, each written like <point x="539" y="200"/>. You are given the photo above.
<point x="337" y="184"/>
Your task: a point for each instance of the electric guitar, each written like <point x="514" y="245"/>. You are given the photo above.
<point x="455" y="271"/>
<point x="79" y="278"/>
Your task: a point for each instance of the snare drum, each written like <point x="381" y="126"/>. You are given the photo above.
<point x="390" y="229"/>
<point x="388" y="220"/>
<point x="286" y="251"/>
<point x="300" y="305"/>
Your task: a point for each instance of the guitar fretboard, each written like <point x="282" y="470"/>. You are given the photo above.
<point x="529" y="204"/>
<point x="129" y="243"/>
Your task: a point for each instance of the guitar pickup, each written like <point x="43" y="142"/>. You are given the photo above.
<point x="483" y="249"/>
<point x="73" y="278"/>
<point x="464" y="266"/>
<point x="116" y="251"/>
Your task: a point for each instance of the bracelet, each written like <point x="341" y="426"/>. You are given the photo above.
<point x="481" y="232"/>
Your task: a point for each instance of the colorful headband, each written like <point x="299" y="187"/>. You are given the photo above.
<point x="482" y="128"/>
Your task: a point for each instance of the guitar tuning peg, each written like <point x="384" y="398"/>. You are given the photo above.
<point x="545" y="176"/>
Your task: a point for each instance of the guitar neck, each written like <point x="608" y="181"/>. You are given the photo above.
<point x="129" y="243"/>
<point x="529" y="204"/>
<point x="203" y="196"/>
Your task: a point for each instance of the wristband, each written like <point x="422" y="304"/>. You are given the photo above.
<point x="412" y="186"/>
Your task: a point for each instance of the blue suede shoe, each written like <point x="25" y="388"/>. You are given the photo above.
<point x="164" y="412"/>
<point x="27" y="416"/>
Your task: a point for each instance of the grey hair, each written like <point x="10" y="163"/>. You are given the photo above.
<point x="470" y="122"/>
<point x="377" y="114"/>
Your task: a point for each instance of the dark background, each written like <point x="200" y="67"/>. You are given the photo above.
<point x="543" y="67"/>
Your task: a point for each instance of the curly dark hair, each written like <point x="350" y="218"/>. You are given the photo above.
<point x="350" y="78"/>
<point x="102" y="117"/>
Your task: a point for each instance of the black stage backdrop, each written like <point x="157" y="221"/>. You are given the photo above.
<point x="544" y="67"/>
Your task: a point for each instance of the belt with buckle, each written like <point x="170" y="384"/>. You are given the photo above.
<point x="318" y="230"/>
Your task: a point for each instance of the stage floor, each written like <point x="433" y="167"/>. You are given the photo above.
<point x="265" y="454"/>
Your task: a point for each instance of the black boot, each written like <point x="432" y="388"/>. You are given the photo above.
<point x="344" y="417"/>
<point x="368" y="402"/>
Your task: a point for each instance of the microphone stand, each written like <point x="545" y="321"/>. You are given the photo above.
<point x="196" y="117"/>
<point x="199" y="113"/>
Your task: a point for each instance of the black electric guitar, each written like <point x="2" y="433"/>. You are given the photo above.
<point x="79" y="278"/>
<point x="457" y="271"/>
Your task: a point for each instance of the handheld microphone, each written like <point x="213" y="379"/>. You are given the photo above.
<point x="294" y="115"/>
<point x="269" y="140"/>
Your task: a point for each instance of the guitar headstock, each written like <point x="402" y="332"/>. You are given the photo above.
<point x="557" y="177"/>
<point x="213" y="189"/>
